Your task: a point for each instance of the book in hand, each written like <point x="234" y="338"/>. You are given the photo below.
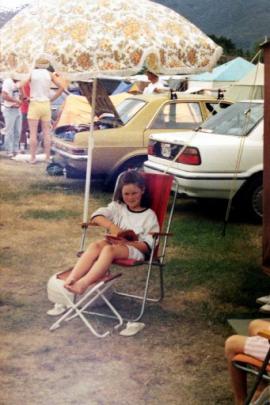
<point x="127" y="235"/>
<point x="113" y="238"/>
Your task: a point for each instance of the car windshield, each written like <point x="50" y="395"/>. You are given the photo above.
<point x="238" y="119"/>
<point x="128" y="108"/>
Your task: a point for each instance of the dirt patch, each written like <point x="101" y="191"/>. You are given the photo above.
<point x="176" y="359"/>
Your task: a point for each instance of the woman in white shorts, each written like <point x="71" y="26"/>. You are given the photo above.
<point x="40" y="82"/>
<point x="252" y="345"/>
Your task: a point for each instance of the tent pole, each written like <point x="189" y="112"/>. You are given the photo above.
<point x="89" y="166"/>
<point x="266" y="161"/>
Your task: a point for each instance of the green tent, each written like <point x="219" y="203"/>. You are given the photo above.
<point x="250" y="87"/>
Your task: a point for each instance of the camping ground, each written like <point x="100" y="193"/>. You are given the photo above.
<point x="176" y="359"/>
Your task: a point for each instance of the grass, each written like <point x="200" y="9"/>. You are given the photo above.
<point x="221" y="273"/>
<point x="208" y="279"/>
<point x="227" y="268"/>
<point x="49" y="215"/>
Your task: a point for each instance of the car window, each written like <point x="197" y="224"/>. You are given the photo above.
<point x="214" y="108"/>
<point x="177" y="116"/>
<point x="238" y="119"/>
<point x="128" y="108"/>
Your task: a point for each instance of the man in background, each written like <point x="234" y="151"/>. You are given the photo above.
<point x="156" y="84"/>
<point x="12" y="115"/>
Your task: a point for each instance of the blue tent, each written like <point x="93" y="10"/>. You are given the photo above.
<point x="122" y="87"/>
<point x="231" y="71"/>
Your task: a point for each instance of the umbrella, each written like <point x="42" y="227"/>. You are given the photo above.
<point x="85" y="39"/>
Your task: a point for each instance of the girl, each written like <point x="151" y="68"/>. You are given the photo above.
<point x="129" y="221"/>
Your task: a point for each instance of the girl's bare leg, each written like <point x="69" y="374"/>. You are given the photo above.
<point x="234" y="345"/>
<point x="33" y="125"/>
<point x="107" y="255"/>
<point x="46" y="129"/>
<point x="258" y="324"/>
<point x="85" y="262"/>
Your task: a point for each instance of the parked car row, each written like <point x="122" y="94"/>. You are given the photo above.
<point x="121" y="142"/>
<point x="222" y="158"/>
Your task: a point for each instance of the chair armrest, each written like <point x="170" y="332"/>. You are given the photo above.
<point x="85" y="225"/>
<point x="264" y="333"/>
<point x="160" y="234"/>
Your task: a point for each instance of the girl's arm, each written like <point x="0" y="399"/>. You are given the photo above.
<point x="106" y="223"/>
<point x="60" y="88"/>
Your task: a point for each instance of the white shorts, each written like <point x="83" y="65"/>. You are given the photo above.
<point x="256" y="346"/>
<point x="134" y="253"/>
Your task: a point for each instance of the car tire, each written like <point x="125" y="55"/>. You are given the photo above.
<point x="253" y="199"/>
<point x="72" y="173"/>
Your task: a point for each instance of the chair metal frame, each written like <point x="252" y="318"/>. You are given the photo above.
<point x="79" y="307"/>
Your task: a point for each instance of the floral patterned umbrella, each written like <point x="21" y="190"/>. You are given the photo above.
<point x="86" y="38"/>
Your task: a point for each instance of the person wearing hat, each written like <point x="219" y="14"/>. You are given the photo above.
<point x="40" y="105"/>
<point x="156" y="84"/>
<point x="12" y="115"/>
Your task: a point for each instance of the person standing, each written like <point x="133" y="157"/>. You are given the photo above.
<point x="12" y="115"/>
<point x="40" y="106"/>
<point x="24" y="110"/>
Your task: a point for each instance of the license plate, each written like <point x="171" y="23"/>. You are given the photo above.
<point x="166" y="150"/>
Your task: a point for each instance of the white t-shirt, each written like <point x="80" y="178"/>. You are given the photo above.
<point x="40" y="84"/>
<point x="153" y="86"/>
<point x="10" y="87"/>
<point x="141" y="222"/>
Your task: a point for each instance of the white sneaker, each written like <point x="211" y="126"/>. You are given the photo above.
<point x="263" y="300"/>
<point x="58" y="309"/>
<point x="265" y="308"/>
<point x="132" y="328"/>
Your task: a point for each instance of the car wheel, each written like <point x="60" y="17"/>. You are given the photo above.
<point x="254" y="199"/>
<point x="136" y="163"/>
<point x="72" y="173"/>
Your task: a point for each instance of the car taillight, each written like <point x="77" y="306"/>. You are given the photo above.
<point x="190" y="156"/>
<point x="151" y="148"/>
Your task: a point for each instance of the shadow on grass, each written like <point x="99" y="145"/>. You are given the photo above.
<point x="50" y="215"/>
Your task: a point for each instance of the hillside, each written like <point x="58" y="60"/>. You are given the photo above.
<point x="245" y="22"/>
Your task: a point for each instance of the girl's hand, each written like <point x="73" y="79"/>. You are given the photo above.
<point x="114" y="229"/>
<point x="114" y="240"/>
<point x="128" y="234"/>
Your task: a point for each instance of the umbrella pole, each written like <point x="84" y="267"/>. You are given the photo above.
<point x="89" y="166"/>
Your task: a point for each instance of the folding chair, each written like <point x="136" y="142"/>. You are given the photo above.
<point x="261" y="369"/>
<point x="159" y="187"/>
<point x="78" y="308"/>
